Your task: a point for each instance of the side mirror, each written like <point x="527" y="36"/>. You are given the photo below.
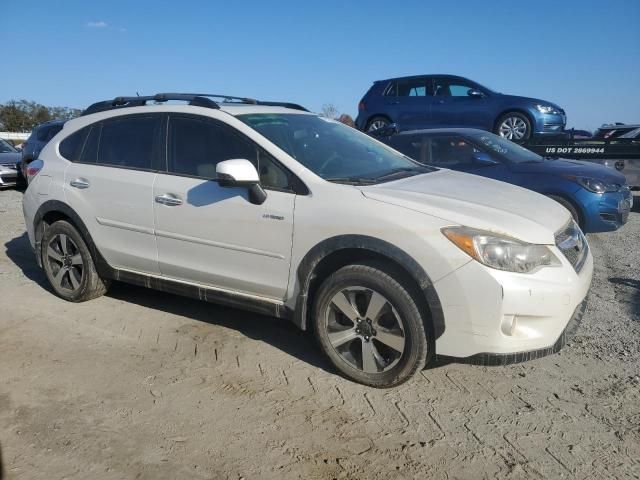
<point x="385" y="131"/>
<point x="473" y="93"/>
<point x="484" y="159"/>
<point x="241" y="173"/>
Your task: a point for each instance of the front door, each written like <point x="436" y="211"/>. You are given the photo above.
<point x="454" y="107"/>
<point x="212" y="235"/>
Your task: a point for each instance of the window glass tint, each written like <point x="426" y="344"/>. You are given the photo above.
<point x="71" y="147"/>
<point x="53" y="131"/>
<point x="413" y="146"/>
<point x="129" y="141"/>
<point x="452" y="152"/>
<point x="90" y="151"/>
<point x="392" y="90"/>
<point x="415" y="87"/>
<point x="197" y="145"/>
<point x="451" y="88"/>
<point x="41" y="133"/>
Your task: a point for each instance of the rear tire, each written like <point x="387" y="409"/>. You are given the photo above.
<point x="377" y="122"/>
<point x="370" y="326"/>
<point x="68" y="264"/>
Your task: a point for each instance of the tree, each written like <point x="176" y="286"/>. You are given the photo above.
<point x="23" y="115"/>
<point x="329" y="110"/>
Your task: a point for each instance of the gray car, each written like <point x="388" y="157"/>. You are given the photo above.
<point x="9" y="164"/>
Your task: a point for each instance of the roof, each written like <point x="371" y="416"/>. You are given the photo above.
<point x="468" y="131"/>
<point x="407" y="77"/>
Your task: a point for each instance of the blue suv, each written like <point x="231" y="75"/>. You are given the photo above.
<point x="597" y="197"/>
<point x="436" y="101"/>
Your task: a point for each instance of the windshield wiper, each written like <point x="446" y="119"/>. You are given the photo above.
<point x="352" y="180"/>
<point x="403" y="172"/>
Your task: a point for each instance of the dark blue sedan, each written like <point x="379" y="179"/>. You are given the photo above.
<point x="435" y="101"/>
<point x="598" y="197"/>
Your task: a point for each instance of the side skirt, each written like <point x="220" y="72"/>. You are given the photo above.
<point x="229" y="298"/>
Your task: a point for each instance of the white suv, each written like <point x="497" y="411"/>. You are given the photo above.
<point x="270" y="208"/>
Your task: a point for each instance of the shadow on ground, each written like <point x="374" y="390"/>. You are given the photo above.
<point x="277" y="332"/>
<point x="628" y="291"/>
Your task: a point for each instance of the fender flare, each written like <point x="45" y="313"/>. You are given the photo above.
<point x="102" y="267"/>
<point x="307" y="267"/>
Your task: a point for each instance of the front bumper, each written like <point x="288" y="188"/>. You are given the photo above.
<point x="489" y="312"/>
<point x="9" y="175"/>
<point x="549" y="124"/>
<point x="605" y="212"/>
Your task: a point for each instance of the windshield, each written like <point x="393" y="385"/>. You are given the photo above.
<point x="332" y="150"/>
<point x="6" y="147"/>
<point x="506" y="149"/>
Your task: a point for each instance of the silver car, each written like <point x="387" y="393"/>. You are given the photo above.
<point x="9" y="164"/>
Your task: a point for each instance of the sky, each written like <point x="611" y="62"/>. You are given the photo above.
<point x="583" y="55"/>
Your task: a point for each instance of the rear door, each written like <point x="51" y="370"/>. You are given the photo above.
<point x="110" y="185"/>
<point x="213" y="235"/>
<point x="409" y="102"/>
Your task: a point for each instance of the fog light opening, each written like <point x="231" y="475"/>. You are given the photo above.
<point x="509" y="324"/>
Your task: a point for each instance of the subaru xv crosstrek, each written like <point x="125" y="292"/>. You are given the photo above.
<point x="273" y="209"/>
<point x="443" y="101"/>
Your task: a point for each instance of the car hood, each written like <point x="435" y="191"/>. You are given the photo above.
<point x="532" y="101"/>
<point x="473" y="201"/>
<point x="574" y="168"/>
<point x="10" y="157"/>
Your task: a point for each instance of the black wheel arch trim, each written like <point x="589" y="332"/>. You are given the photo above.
<point x="199" y="292"/>
<point x="307" y="269"/>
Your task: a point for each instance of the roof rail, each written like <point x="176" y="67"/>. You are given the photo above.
<point x="195" y="99"/>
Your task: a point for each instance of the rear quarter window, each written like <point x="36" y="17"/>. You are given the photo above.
<point x="71" y="147"/>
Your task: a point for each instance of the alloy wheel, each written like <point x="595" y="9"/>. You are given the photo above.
<point x="513" y="128"/>
<point x="364" y="329"/>
<point x="65" y="263"/>
<point x="376" y="125"/>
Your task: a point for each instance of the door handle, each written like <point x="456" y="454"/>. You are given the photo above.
<point x="79" y="183"/>
<point x="168" y="200"/>
<point x="397" y="102"/>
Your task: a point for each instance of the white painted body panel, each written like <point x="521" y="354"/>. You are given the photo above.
<point x="216" y="237"/>
<point x="117" y="208"/>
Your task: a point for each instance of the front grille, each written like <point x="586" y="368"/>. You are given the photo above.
<point x="571" y="242"/>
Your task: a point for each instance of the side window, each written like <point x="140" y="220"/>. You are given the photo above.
<point x="392" y="90"/>
<point x="53" y="131"/>
<point x="41" y="134"/>
<point x="197" y="145"/>
<point x="413" y="87"/>
<point x="413" y="146"/>
<point x="451" y="88"/>
<point x="90" y="151"/>
<point x="130" y="141"/>
<point x="451" y="152"/>
<point x="71" y="147"/>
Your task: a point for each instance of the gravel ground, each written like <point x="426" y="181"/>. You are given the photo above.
<point x="140" y="384"/>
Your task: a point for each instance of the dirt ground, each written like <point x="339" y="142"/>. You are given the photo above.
<point x="144" y="385"/>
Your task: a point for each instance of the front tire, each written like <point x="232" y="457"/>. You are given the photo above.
<point x="68" y="264"/>
<point x="514" y="126"/>
<point x="369" y="326"/>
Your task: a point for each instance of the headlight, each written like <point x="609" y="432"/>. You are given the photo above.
<point x="547" y="109"/>
<point x="594" y="185"/>
<point x="501" y="252"/>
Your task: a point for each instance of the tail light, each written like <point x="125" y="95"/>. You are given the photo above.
<point x="33" y="169"/>
<point x="361" y="105"/>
